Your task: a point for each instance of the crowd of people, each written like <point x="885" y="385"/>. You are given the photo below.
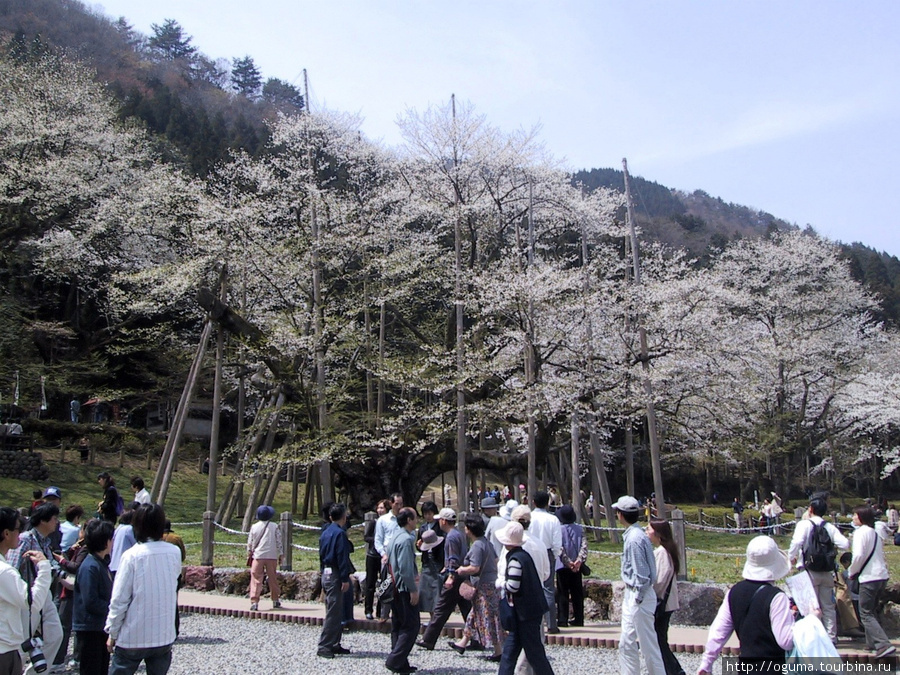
<point x="105" y="584"/>
<point x="515" y="572"/>
<point x="498" y="570"/>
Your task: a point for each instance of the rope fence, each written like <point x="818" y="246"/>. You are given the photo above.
<point x="291" y="529"/>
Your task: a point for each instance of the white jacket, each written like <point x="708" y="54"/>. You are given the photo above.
<point x="14" y="602"/>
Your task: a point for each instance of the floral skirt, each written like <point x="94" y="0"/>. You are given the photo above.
<point x="483" y="623"/>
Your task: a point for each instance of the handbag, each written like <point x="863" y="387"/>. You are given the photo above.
<point x="854" y="581"/>
<point x="585" y="570"/>
<point x="385" y="584"/>
<point x="467" y="591"/>
<point x="249" y="558"/>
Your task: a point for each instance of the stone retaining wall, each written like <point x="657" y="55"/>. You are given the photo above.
<point x="603" y="599"/>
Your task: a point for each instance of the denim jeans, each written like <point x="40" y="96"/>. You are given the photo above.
<point x="126" y="661"/>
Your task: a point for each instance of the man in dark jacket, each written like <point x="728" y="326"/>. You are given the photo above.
<point x="334" y="561"/>
<point x="93" y="591"/>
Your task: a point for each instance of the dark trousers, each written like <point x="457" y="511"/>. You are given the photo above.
<point x="347" y="605"/>
<point x="869" y="594"/>
<point x="405" y="624"/>
<point x="661" y="623"/>
<point x="126" y="661"/>
<point x="94" y="655"/>
<point x="11" y="663"/>
<point x="569" y="586"/>
<point x="65" y="618"/>
<point x="447" y="601"/>
<point x="527" y="636"/>
<point x="373" y="568"/>
<point x="334" y="607"/>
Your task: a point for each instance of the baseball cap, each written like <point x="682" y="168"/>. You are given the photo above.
<point x="627" y="504"/>
<point x="53" y="491"/>
<point x="447" y="514"/>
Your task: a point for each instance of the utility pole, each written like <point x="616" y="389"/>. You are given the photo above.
<point x="597" y="454"/>
<point x="645" y="360"/>
<point x="529" y="359"/>
<point x="462" y="491"/>
<point x="217" y="400"/>
<point x="318" y="310"/>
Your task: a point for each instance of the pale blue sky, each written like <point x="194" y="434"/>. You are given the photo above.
<point x="789" y="107"/>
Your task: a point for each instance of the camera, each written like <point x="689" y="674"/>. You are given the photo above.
<point x="32" y="647"/>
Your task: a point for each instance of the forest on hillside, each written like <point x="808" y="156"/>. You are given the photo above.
<point x="389" y="307"/>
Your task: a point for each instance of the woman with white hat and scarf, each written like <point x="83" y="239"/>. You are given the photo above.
<point x="757" y="611"/>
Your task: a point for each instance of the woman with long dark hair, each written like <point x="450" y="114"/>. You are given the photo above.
<point x="111" y="506"/>
<point x="373" y="560"/>
<point x="666" y="587"/>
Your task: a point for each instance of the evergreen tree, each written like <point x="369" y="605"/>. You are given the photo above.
<point x="282" y="94"/>
<point x="245" y="77"/>
<point x="170" y="41"/>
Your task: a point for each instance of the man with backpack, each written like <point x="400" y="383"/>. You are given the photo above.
<point x="814" y="548"/>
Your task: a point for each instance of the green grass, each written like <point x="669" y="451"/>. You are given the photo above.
<point x="186" y="502"/>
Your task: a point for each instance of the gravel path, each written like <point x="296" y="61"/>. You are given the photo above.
<point x="213" y="645"/>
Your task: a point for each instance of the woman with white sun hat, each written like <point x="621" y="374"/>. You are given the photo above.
<point x="757" y="611"/>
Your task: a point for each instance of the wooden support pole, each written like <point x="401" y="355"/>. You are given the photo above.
<point x="678" y="535"/>
<point x="209" y="538"/>
<point x="295" y="486"/>
<point x="311" y="477"/>
<point x="287" y="541"/>
<point x="167" y="464"/>
<point x="217" y="401"/>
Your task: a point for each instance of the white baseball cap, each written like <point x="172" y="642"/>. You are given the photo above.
<point x="627" y="504"/>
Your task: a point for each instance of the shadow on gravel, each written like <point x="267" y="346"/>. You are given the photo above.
<point x="424" y="669"/>
<point x="200" y="641"/>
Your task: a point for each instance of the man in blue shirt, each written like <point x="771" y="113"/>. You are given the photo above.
<point x="639" y="604"/>
<point x="454" y="552"/>
<point x="334" y="561"/>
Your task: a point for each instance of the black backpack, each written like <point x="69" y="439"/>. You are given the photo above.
<point x="819" y="553"/>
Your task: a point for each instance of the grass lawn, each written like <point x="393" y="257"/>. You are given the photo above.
<point x="716" y="556"/>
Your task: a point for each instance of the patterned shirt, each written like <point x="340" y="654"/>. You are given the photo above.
<point x="32" y="540"/>
<point x="638" y="563"/>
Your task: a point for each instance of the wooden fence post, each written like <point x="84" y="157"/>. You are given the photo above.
<point x="678" y="535"/>
<point x="209" y="538"/>
<point x="62" y="453"/>
<point x="287" y="540"/>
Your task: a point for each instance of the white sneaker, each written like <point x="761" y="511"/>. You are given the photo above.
<point x="887" y="650"/>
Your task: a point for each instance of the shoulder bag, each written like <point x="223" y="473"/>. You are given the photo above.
<point x="854" y="581"/>
<point x="385" y="584"/>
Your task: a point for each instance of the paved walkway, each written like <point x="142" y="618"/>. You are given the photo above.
<point x="681" y="638"/>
